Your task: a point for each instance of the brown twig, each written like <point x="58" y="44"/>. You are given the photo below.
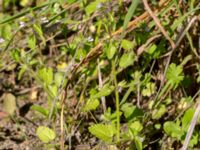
<point x="157" y="21"/>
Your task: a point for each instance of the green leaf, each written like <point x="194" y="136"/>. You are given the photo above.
<point x="46" y="74"/>
<point x="151" y="104"/>
<point x="194" y="140"/>
<point x="127" y="45"/>
<point x="22" y="70"/>
<point x="6" y="3"/>
<point x="89" y="9"/>
<point x="131" y="112"/>
<point x="137" y="76"/>
<point x="167" y="101"/>
<point x="185" y="60"/>
<point x="81" y="53"/>
<point x="53" y="89"/>
<point x="56" y="8"/>
<point x="129" y="15"/>
<point x="152" y="49"/>
<point x="6" y="31"/>
<point x="128" y="109"/>
<point x="187" y="118"/>
<point x="127" y="59"/>
<point x="138" y="143"/>
<point x="110" y="51"/>
<point x="103" y="132"/>
<point x="38" y="30"/>
<point x="33" y="62"/>
<point x="173" y="129"/>
<point x="135" y="127"/>
<point x="105" y="91"/>
<point x="146" y="80"/>
<point x="32" y="42"/>
<point x="91" y="104"/>
<point x="174" y="75"/>
<point x="185" y="102"/>
<point x="122" y="84"/>
<point x="45" y="134"/>
<point x="24" y="3"/>
<point x="15" y="53"/>
<point x="110" y="117"/>
<point x="40" y="109"/>
<point x="149" y="90"/>
<point x="156" y="50"/>
<point x="157" y="126"/>
<point x="159" y="112"/>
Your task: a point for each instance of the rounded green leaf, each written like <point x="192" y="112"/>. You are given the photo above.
<point x="127" y="45"/>
<point x="172" y="129"/>
<point x="110" y="52"/>
<point x="105" y="91"/>
<point x="91" y="7"/>
<point x="46" y="75"/>
<point x="174" y="75"/>
<point x="127" y="59"/>
<point x="159" y="112"/>
<point x="136" y="127"/>
<point x="149" y="90"/>
<point x="45" y="134"/>
<point x="138" y="142"/>
<point x="91" y="104"/>
<point x="103" y="132"/>
<point x="128" y="109"/>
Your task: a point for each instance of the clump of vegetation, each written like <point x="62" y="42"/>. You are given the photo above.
<point x="99" y="74"/>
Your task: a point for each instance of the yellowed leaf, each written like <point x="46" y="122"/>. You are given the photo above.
<point x="9" y="103"/>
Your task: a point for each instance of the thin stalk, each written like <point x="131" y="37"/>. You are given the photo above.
<point x="23" y="13"/>
<point x="187" y="34"/>
<point x="62" y="140"/>
<point x="117" y="100"/>
<point x="128" y="92"/>
<point x="165" y="88"/>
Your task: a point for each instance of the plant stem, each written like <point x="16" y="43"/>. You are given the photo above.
<point x="164" y="89"/>
<point x="23" y="13"/>
<point x="116" y="100"/>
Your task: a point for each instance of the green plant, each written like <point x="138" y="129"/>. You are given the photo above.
<point x="88" y="71"/>
<point x="179" y="128"/>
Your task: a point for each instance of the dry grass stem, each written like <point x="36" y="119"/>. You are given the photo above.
<point x="157" y="21"/>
